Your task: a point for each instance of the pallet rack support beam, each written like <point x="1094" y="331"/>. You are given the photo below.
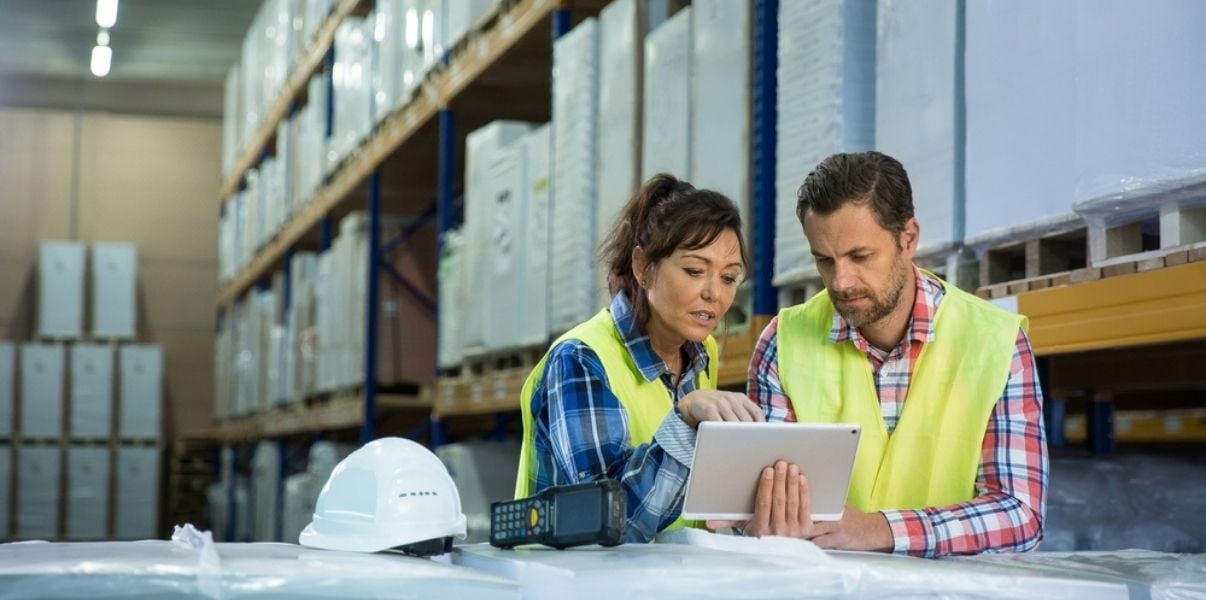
<point x="766" y="61"/>
<point x="368" y="427"/>
<point x="561" y="20"/>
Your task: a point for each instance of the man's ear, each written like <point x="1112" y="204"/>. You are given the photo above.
<point x="911" y="236"/>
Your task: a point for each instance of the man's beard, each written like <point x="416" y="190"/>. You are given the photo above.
<point x="881" y="306"/>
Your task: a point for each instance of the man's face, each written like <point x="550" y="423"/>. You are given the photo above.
<point x="864" y="267"/>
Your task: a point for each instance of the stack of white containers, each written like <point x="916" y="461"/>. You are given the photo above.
<point x="459" y="17"/>
<point x="265" y="490"/>
<point x="534" y="272"/>
<point x="573" y="286"/>
<point x="667" y="146"/>
<point x="1102" y="122"/>
<point x="230" y="510"/>
<point x="915" y="91"/>
<point x="493" y="176"/>
<point x="301" y="490"/>
<point x="67" y="396"/>
<point x="721" y="58"/>
<point x="352" y="87"/>
<point x="621" y="30"/>
<point x="453" y="277"/>
<point x="826" y="104"/>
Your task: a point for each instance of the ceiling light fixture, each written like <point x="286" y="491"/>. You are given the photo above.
<point x="102" y="56"/>
<point x="106" y="13"/>
<point x="102" y="38"/>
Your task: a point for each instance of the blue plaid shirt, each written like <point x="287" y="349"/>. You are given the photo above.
<point x="582" y="429"/>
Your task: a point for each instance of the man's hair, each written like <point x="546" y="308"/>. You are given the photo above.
<point x="871" y="177"/>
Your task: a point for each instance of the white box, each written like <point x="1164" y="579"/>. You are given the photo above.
<point x="915" y="91"/>
<point x="8" y="387"/>
<point x="141" y="391"/>
<point x="621" y="63"/>
<point x="61" y="290"/>
<point x="231" y="120"/>
<point x="265" y="490"/>
<point x="666" y="148"/>
<point x="459" y="17"/>
<point x="721" y="58"/>
<point x="1068" y="103"/>
<point x="826" y="104"/>
<point x="38" y="469"/>
<point x="573" y="287"/>
<point x="6" y="478"/>
<point x="352" y="88"/>
<point x="504" y="249"/>
<point x="452" y="302"/>
<point x="42" y="375"/>
<point x="91" y="391"/>
<point x="87" y="493"/>
<point x="534" y="287"/>
<point x="483" y="149"/>
<point x="137" y="497"/>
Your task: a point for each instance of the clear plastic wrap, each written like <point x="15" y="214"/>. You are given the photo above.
<point x="1128" y="501"/>
<point x="195" y="567"/>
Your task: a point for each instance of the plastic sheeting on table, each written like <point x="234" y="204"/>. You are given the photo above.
<point x="161" y="569"/>
<point x="704" y="565"/>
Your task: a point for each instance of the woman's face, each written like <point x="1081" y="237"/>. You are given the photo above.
<point x="690" y="290"/>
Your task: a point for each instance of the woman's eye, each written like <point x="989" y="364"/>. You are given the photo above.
<point x="729" y="279"/>
<point x="694" y="272"/>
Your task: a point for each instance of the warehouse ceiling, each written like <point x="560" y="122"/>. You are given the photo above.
<point x="183" y="47"/>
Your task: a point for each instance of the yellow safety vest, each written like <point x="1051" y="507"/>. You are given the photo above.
<point x="646" y="402"/>
<point x="932" y="456"/>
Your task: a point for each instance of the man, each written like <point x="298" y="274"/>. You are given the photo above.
<point x="952" y="458"/>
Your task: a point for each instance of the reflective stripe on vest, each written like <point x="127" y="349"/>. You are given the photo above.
<point x="933" y="455"/>
<point x="645" y="402"/>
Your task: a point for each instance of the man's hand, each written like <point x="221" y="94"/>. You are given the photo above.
<point x="856" y="530"/>
<point x="782" y="508"/>
<point x="715" y="405"/>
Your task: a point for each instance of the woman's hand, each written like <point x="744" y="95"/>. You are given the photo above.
<point x="715" y="405"/>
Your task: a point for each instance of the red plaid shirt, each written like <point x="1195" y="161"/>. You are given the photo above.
<point x="1007" y="513"/>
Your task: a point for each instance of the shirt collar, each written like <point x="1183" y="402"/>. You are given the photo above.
<point x="636" y="341"/>
<point x="921" y="322"/>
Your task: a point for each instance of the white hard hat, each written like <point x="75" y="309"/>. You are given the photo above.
<point x="391" y="493"/>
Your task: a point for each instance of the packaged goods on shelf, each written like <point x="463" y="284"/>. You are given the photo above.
<point x="721" y="59"/>
<point x="483" y="472"/>
<point x="8" y="387"/>
<point x="114" y="272"/>
<point x="666" y="148"/>
<point x="61" y="290"/>
<point x="452" y="276"/>
<point x="573" y="289"/>
<point x="316" y="12"/>
<point x="621" y="63"/>
<point x="915" y="87"/>
<point x="141" y="390"/>
<point x="223" y="366"/>
<point x="42" y="377"/>
<point x="352" y="89"/>
<point x="534" y="272"/>
<point x="826" y="104"/>
<point x="265" y="490"/>
<point x="1085" y="106"/>
<point x="136" y="514"/>
<point x="6" y="470"/>
<point x="459" y="17"/>
<point x="231" y="120"/>
<point x="37" y="494"/>
<point x="91" y="391"/>
<point x="493" y="203"/>
<point x="87" y="493"/>
<point x="301" y="351"/>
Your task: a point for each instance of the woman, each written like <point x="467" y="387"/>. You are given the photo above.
<point x="620" y="395"/>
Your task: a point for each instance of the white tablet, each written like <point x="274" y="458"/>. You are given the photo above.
<point x="729" y="458"/>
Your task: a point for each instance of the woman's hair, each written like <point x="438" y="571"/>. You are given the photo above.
<point x="664" y="215"/>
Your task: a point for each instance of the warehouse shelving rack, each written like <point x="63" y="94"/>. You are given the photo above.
<point x="414" y="161"/>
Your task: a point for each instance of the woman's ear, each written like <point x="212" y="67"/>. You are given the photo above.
<point x="639" y="264"/>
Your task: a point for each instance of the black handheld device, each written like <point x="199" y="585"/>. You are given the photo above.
<point x="562" y="516"/>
